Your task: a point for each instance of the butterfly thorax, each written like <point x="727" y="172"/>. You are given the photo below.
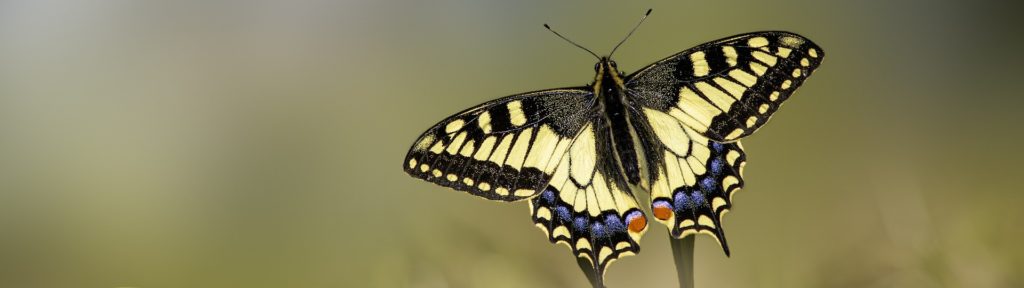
<point x="611" y="93"/>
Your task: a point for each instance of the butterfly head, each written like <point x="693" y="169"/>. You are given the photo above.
<point x="606" y="64"/>
<point x="607" y="72"/>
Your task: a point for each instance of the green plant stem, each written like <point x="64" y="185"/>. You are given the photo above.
<point x="592" y="275"/>
<point x="682" y="252"/>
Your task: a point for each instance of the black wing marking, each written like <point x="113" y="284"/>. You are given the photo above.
<point x="727" y="89"/>
<point x="502" y="149"/>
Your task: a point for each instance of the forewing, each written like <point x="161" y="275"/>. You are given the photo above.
<point x="588" y="206"/>
<point x="504" y="149"/>
<point x="727" y="89"/>
<point x="693" y="178"/>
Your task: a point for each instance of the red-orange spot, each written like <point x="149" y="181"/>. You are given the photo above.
<point x="662" y="212"/>
<point x="638" y="224"/>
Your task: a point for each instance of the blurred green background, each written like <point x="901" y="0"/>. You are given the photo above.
<point x="258" y="143"/>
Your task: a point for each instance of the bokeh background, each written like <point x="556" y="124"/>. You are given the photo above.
<point x="258" y="143"/>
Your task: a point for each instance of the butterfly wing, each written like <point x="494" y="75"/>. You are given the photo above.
<point x="692" y="178"/>
<point x="588" y="206"/>
<point x="727" y="89"/>
<point x="548" y="142"/>
<point x="696" y="105"/>
<point x="505" y="149"/>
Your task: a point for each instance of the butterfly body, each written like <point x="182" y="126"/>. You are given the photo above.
<point x="580" y="154"/>
<point x="611" y="93"/>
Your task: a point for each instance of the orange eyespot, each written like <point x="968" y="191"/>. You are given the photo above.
<point x="638" y="224"/>
<point x="662" y="212"/>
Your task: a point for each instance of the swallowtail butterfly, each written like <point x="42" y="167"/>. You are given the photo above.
<point x="579" y="155"/>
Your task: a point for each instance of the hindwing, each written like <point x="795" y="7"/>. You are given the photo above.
<point x="504" y="149"/>
<point x="727" y="89"/>
<point x="588" y="205"/>
<point x="691" y="178"/>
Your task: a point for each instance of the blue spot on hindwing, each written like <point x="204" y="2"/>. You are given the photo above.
<point x="563" y="213"/>
<point x="681" y="200"/>
<point x="548" y="196"/>
<point x="614" y="223"/>
<point x="598" y="230"/>
<point x="708" y="184"/>
<point x="717" y="146"/>
<point x="698" y="198"/>
<point x="716" y="166"/>
<point x="580" y="224"/>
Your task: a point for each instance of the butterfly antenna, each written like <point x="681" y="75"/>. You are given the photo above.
<point x="630" y="32"/>
<point x="570" y="41"/>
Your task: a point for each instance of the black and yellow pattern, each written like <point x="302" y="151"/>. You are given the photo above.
<point x="728" y="88"/>
<point x="579" y="154"/>
<point x="692" y="188"/>
<point x="587" y="204"/>
<point x="504" y="149"/>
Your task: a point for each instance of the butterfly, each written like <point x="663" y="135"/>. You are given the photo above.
<point x="580" y="155"/>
